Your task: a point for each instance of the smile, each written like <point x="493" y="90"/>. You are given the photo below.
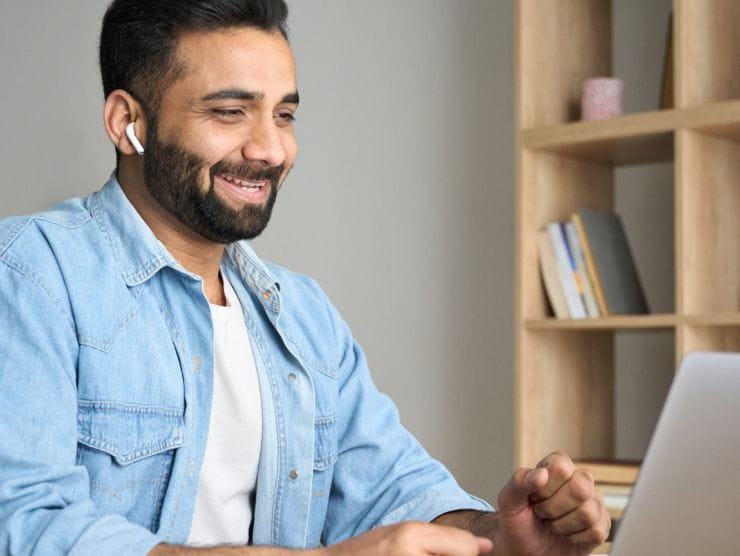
<point x="240" y="190"/>
<point x="246" y="185"/>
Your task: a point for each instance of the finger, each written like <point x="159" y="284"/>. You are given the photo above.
<point x="580" y="519"/>
<point x="560" y="469"/>
<point x="484" y="545"/>
<point x="515" y="495"/>
<point x="594" y="535"/>
<point x="575" y="492"/>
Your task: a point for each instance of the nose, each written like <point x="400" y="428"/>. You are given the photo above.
<point x="265" y="143"/>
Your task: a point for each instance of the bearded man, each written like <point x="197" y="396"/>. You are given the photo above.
<point x="162" y="388"/>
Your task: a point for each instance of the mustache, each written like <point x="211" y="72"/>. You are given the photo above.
<point x="251" y="171"/>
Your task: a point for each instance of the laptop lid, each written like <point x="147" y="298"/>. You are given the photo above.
<point x="687" y="496"/>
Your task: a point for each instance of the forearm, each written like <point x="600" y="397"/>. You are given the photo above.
<point x="481" y="524"/>
<point x="177" y="550"/>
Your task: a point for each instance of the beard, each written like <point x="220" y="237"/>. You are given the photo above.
<point x="173" y="176"/>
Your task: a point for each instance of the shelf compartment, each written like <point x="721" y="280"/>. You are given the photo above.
<point x="634" y="138"/>
<point x="618" y="322"/>
<point x="568" y="384"/>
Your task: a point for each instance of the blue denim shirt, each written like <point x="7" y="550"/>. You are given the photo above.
<point x="106" y="362"/>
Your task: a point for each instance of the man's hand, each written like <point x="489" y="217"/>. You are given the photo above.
<point x="411" y="538"/>
<point x="553" y="509"/>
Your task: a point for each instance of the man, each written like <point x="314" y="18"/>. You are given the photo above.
<point x="163" y="388"/>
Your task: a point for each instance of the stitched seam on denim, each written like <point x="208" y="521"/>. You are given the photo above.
<point x="161" y="492"/>
<point x="253" y="266"/>
<point x="279" y="427"/>
<point x="175" y="336"/>
<point x="96" y="211"/>
<point x="135" y="278"/>
<point x="323" y="427"/>
<point x="309" y="360"/>
<point x="105" y="345"/>
<point x="328" y="420"/>
<point x="13" y="234"/>
<point x="148" y="480"/>
<point x="105" y="405"/>
<point x="134" y="455"/>
<point x="85" y="218"/>
<point x="255" y="283"/>
<point x="23" y="270"/>
<point x="324" y="424"/>
<point x="149" y="270"/>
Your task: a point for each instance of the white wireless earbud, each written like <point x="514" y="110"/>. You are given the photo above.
<point x="131" y="134"/>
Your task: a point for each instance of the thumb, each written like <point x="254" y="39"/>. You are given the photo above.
<point x="514" y="497"/>
<point x="485" y="545"/>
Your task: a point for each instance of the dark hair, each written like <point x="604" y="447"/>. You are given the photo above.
<point x="138" y="39"/>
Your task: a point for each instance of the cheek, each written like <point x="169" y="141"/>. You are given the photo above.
<point x="213" y="148"/>
<point x="291" y="150"/>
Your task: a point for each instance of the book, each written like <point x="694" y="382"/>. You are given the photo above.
<point x="567" y="281"/>
<point x="610" y="263"/>
<point x="549" y="271"/>
<point x="589" y="298"/>
<point x="612" y="472"/>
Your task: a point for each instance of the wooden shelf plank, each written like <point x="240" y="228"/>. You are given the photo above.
<point x="720" y="319"/>
<point x="634" y="138"/>
<point x="620" y="322"/>
<point x="636" y="322"/>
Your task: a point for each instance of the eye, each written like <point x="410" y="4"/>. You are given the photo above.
<point x="228" y="113"/>
<point x="285" y="117"/>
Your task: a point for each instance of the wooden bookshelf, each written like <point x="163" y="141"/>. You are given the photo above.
<point x="565" y="368"/>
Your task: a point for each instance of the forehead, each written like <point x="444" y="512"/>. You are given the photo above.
<point x="240" y="57"/>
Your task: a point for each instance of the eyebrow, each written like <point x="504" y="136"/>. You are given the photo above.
<point x="242" y="94"/>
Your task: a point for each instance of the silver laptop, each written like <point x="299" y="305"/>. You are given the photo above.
<point x="687" y="497"/>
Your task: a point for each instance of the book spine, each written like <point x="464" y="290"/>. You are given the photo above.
<point x="548" y="267"/>
<point x="591" y="266"/>
<point x="572" y="298"/>
<point x="589" y="299"/>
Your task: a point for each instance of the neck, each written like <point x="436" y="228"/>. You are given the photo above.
<point x="195" y="253"/>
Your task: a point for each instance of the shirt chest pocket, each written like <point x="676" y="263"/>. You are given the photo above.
<point x="128" y="452"/>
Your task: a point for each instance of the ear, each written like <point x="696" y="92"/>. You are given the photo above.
<point x="120" y="110"/>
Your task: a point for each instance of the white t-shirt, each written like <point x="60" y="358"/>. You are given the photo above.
<point x="228" y="478"/>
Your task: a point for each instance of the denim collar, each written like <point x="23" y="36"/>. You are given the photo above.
<point x="141" y="255"/>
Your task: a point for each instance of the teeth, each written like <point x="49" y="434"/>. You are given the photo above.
<point x="248" y="186"/>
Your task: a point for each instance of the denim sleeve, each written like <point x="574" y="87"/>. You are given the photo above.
<point x="382" y="474"/>
<point x="45" y="507"/>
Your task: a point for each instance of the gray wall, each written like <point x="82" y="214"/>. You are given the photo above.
<point x="644" y="198"/>
<point x="402" y="200"/>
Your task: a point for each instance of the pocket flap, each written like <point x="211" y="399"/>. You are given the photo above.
<point x="129" y="432"/>
<point x="325" y="443"/>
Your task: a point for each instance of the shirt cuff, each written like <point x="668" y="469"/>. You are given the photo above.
<point x="433" y="504"/>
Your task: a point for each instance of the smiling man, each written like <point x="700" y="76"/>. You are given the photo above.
<point x="162" y="389"/>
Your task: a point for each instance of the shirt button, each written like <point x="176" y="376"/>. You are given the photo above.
<point x="196" y="363"/>
<point x="293" y="475"/>
<point x="292" y="377"/>
<point x="267" y="295"/>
